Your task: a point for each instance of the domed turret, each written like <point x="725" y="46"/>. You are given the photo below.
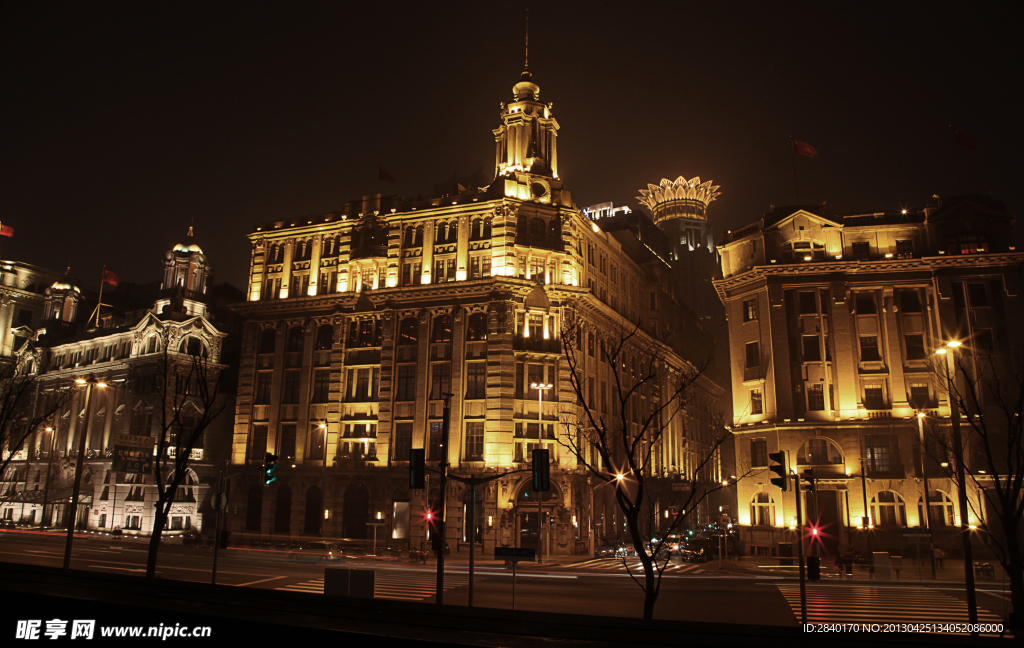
<point x="187" y="274"/>
<point x="187" y="246"/>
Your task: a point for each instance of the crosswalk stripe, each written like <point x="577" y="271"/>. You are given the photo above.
<point x="850" y="604"/>
<point x="392" y="586"/>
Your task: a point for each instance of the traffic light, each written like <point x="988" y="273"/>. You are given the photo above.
<point x="269" y="469"/>
<point x="808" y="476"/>
<point x="225" y="538"/>
<point x="782" y="470"/>
<point x="541" y="470"/>
<point x="417" y="468"/>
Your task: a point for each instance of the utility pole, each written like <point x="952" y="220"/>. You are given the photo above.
<point x="800" y="549"/>
<point x="220" y="517"/>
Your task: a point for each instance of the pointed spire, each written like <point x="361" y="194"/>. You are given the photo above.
<point x="190" y="231"/>
<point x="526" y="65"/>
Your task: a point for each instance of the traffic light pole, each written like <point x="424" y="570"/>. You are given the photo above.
<point x="443" y="496"/>
<point x="220" y="519"/>
<point x="800" y="550"/>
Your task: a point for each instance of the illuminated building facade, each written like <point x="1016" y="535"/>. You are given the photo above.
<point x="833" y="321"/>
<point x="123" y="350"/>
<point x="359" y="322"/>
<point x="22" y="288"/>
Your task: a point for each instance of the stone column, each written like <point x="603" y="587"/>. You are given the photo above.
<point x="286" y="272"/>
<point x="314" y="265"/>
<point x="427" y="270"/>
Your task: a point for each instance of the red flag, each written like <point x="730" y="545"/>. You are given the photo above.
<point x="963" y="140"/>
<point x="6" y="230"/>
<point x="803" y="148"/>
<point x="110" y="278"/>
<point x="384" y="175"/>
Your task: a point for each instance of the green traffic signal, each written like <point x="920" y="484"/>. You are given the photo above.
<point x="269" y="469"/>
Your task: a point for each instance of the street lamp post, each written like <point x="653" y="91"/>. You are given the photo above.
<point x="958" y="450"/>
<point x="541" y="388"/>
<point x="927" y="521"/>
<point x="89" y="383"/>
<point x="49" y="468"/>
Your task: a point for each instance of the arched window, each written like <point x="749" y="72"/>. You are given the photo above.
<point x="324" y="337"/>
<point x="275" y="249"/>
<point x="314" y="511"/>
<point x="193" y="346"/>
<point x="888" y="509"/>
<point x="453" y="231"/>
<point x="475" y="229"/>
<point x="268" y="338"/>
<point x="819" y="452"/>
<point x="408" y="331"/>
<point x="941" y="510"/>
<point x="487" y="228"/>
<point x="762" y="509"/>
<point x="283" y="511"/>
<point x="476" y="327"/>
<point x="419" y="236"/>
<point x="410" y="236"/>
<point x="442" y="329"/>
<point x="295" y="339"/>
<point x="538" y="231"/>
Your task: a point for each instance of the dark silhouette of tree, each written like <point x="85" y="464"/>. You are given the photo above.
<point x="25" y="407"/>
<point x="648" y="389"/>
<point x="190" y="393"/>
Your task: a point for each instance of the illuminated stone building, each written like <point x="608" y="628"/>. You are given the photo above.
<point x="358" y="322"/>
<point x="21" y="302"/>
<point x="833" y="321"/>
<point x="123" y="350"/>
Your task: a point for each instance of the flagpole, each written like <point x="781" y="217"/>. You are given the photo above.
<point x="792" y="152"/>
<point x="103" y="273"/>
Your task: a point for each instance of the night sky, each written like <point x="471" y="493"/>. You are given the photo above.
<point x="123" y="122"/>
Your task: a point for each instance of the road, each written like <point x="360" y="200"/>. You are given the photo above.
<point x="595" y="587"/>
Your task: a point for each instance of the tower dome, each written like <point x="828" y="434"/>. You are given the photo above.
<point x="188" y="246"/>
<point x="526" y="89"/>
<point x="679" y="198"/>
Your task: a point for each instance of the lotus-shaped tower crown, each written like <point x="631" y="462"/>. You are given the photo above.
<point x="679" y="198"/>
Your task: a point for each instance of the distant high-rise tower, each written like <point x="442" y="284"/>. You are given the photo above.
<point x="679" y="209"/>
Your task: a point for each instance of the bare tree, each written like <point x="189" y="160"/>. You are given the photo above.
<point x="648" y="390"/>
<point x="189" y="391"/>
<point x="24" y="407"/>
<point x="989" y="392"/>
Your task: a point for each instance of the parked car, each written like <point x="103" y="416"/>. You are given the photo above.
<point x="606" y="551"/>
<point x="6" y="524"/>
<point x="321" y="552"/>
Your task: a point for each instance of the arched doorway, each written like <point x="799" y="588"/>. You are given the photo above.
<point x="283" y="511"/>
<point x="314" y="511"/>
<point x="254" y="508"/>
<point x="356" y="511"/>
<point x="529" y="516"/>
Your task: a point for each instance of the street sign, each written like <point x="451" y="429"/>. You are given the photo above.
<point x="133" y="454"/>
<point x="917" y="533"/>
<point x="515" y="553"/>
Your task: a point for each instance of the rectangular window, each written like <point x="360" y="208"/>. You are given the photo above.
<point x="880" y="454"/>
<point x="811" y="348"/>
<point x="753" y="355"/>
<point x="758" y="453"/>
<point x="475" y="441"/>
<point x="485" y="267"/>
<point x="978" y="295"/>
<point x="915" y="347"/>
<point x="920" y="396"/>
<point x="520" y="379"/>
<point x="869" y="348"/>
<point x="405" y="387"/>
<point x="290" y="395"/>
<point x="288" y="441"/>
<point x="316" y="444"/>
<point x="873" y="398"/>
<point x="258" y="443"/>
<point x="321" y="385"/>
<point x="476" y="380"/>
<point x="363" y="384"/>
<point x="910" y="301"/>
<point x="402" y="443"/>
<point x="808" y="303"/>
<point x="434" y="445"/>
<point x="263" y="381"/>
<point x="756" y="402"/>
<point x="904" y="249"/>
<point x="750" y="310"/>
<point x="816" y="397"/>
<point x="474" y="267"/>
<point x="865" y="304"/>
<point x="440" y="380"/>
<point x="860" y="251"/>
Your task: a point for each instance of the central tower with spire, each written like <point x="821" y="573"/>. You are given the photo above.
<point x="526" y="141"/>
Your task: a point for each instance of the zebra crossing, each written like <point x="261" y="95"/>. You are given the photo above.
<point x="393" y="584"/>
<point x="879" y="604"/>
<point x="616" y="564"/>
